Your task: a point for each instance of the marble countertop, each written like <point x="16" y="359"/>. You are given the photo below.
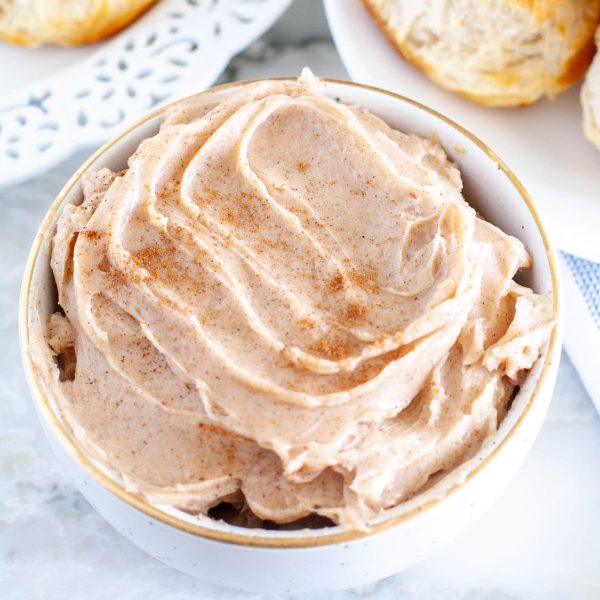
<point x="541" y="539"/>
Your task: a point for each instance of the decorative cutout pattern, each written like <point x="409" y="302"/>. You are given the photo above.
<point x="177" y="48"/>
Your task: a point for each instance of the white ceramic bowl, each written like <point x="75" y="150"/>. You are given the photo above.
<point x="310" y="560"/>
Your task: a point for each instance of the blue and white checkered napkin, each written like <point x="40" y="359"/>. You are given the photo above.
<point x="582" y="327"/>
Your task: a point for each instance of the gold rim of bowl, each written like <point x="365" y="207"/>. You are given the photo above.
<point x="250" y="537"/>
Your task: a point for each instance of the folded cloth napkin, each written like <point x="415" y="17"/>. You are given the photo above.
<point x="582" y="327"/>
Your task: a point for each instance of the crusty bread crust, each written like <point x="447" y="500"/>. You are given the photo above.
<point x="105" y="18"/>
<point x="590" y="100"/>
<point x="507" y="91"/>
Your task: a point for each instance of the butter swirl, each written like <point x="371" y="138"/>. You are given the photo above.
<point x="285" y="304"/>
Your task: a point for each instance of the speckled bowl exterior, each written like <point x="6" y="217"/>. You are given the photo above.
<point x="333" y="558"/>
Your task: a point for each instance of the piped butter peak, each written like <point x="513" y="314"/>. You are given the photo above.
<point x="288" y="306"/>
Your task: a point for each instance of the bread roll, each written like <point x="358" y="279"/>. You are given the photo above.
<point x="66" y="22"/>
<point x="496" y="52"/>
<point x="590" y="98"/>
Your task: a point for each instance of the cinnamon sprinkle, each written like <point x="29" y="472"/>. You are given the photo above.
<point x="158" y="261"/>
<point x="91" y="234"/>
<point x="332" y="348"/>
<point x="336" y="283"/>
<point x="355" y="311"/>
<point x="307" y="323"/>
<point x="366" y="281"/>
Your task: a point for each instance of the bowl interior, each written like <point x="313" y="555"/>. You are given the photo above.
<point x="488" y="186"/>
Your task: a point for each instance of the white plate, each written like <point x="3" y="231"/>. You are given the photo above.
<point x="54" y="100"/>
<point x="543" y="144"/>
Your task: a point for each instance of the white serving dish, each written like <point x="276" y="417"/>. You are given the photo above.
<point x="54" y="100"/>
<point x="312" y="560"/>
<point x="543" y="144"/>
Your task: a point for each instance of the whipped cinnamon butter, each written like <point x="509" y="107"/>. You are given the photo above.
<point x="286" y="305"/>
